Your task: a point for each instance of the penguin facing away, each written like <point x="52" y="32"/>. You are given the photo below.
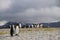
<point x="11" y="30"/>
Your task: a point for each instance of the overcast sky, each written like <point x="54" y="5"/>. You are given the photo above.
<point x="32" y="11"/>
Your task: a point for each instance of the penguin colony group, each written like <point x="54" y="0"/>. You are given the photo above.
<point x="14" y="29"/>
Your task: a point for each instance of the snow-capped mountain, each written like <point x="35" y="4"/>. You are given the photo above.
<point x="3" y="23"/>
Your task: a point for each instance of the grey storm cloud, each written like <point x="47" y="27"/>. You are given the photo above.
<point x="32" y="11"/>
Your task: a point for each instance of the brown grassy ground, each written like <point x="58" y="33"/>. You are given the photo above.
<point x="6" y="31"/>
<point x="32" y="34"/>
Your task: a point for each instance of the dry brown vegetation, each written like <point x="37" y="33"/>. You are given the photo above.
<point x="6" y="31"/>
<point x="32" y="34"/>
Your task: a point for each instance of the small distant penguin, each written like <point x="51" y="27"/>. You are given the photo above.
<point x="11" y="30"/>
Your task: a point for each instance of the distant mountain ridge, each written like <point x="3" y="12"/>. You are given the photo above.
<point x="7" y="25"/>
<point x="53" y="24"/>
<point x="50" y="25"/>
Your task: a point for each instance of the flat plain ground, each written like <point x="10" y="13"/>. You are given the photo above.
<point x="32" y="34"/>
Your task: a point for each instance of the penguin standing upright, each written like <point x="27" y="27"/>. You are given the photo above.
<point x="17" y="29"/>
<point x="11" y="30"/>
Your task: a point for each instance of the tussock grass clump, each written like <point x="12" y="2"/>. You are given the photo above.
<point x="4" y="31"/>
